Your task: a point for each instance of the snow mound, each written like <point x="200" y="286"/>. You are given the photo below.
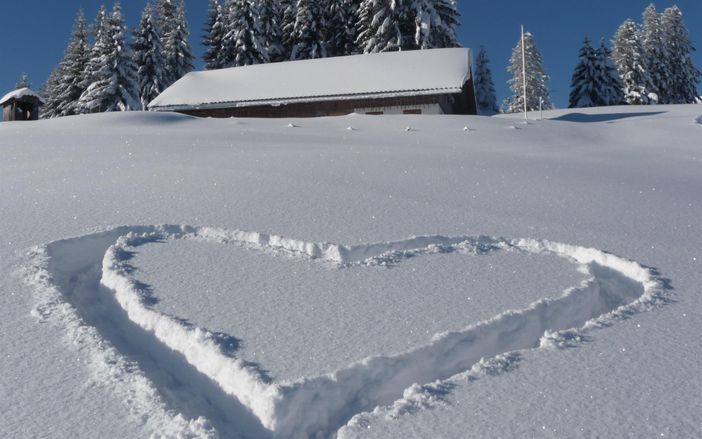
<point x="85" y="286"/>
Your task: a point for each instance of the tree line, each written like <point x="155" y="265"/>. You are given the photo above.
<point x="245" y="32"/>
<point x="102" y="70"/>
<point x="654" y="59"/>
<point x="649" y="63"/>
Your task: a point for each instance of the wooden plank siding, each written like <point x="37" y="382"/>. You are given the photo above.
<point x="21" y="110"/>
<point x="458" y="103"/>
<point x="8" y="113"/>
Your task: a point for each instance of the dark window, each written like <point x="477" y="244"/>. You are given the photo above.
<point x="374" y="113"/>
<point x="412" y="111"/>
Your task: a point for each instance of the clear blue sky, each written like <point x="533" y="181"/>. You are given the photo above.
<point x="35" y="33"/>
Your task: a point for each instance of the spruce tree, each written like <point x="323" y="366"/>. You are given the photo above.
<point x="271" y="27"/>
<point x="50" y="90"/>
<point x="289" y="8"/>
<point x="72" y="69"/>
<point x="242" y="44"/>
<point x="537" y="92"/>
<point x="148" y="58"/>
<point x="341" y="20"/>
<point x="380" y="26"/>
<point x="176" y="47"/>
<point x="93" y="66"/>
<point x="23" y="82"/>
<point x="388" y="25"/>
<point x="65" y="84"/>
<point x="585" y="83"/>
<point x="629" y="57"/>
<point x="484" y="86"/>
<point x="684" y="76"/>
<point x="610" y="85"/>
<point x="309" y="34"/>
<point x="655" y="54"/>
<point x="214" y="34"/>
<point x="167" y="12"/>
<point x="435" y="23"/>
<point x="113" y="86"/>
<point x="226" y="55"/>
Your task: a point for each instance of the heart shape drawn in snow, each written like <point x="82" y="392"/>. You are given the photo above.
<point x="85" y="285"/>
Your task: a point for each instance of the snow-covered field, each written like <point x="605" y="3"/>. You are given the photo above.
<point x="398" y="276"/>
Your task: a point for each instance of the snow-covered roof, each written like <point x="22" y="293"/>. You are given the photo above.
<point x="435" y="71"/>
<point x="19" y="94"/>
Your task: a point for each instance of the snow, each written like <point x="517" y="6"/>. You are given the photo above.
<point x="370" y="297"/>
<point x="392" y="74"/>
<point x="318" y="280"/>
<point x="19" y="94"/>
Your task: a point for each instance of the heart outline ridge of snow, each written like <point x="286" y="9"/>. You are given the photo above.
<point x="318" y="405"/>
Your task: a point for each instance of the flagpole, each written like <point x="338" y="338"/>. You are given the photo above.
<point x="524" y="75"/>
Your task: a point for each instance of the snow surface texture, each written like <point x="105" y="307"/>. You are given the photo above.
<point x="625" y="180"/>
<point x="375" y="311"/>
<point x="65" y="277"/>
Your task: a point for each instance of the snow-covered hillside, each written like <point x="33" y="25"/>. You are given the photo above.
<point x="397" y="276"/>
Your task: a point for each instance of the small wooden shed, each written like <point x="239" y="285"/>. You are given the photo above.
<point x="436" y="81"/>
<point x="21" y="104"/>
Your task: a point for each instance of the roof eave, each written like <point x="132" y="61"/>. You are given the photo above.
<point x="304" y="99"/>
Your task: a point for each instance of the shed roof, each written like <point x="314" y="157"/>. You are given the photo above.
<point x="19" y="94"/>
<point x="435" y="71"/>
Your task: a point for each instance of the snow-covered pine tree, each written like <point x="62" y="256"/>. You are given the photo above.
<point x="289" y="8"/>
<point x="148" y="58"/>
<point x="387" y="25"/>
<point x="181" y="40"/>
<point x="63" y="88"/>
<point x="71" y="84"/>
<point x="380" y="26"/>
<point x="113" y="86"/>
<point x="271" y="24"/>
<point x="167" y="12"/>
<point x="484" y="86"/>
<point x="537" y="92"/>
<point x="23" y="82"/>
<point x="225" y="55"/>
<point x="655" y="55"/>
<point x="435" y="23"/>
<point x="93" y="66"/>
<point x="684" y="76"/>
<point x="610" y="85"/>
<point x="176" y="46"/>
<point x="341" y="20"/>
<point x="242" y="44"/>
<point x="309" y="34"/>
<point x="585" y="83"/>
<point x="50" y="91"/>
<point x="629" y="57"/>
<point x="99" y="25"/>
<point x="214" y="34"/>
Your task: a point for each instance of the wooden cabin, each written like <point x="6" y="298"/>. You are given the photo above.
<point x="22" y="104"/>
<point x="436" y="81"/>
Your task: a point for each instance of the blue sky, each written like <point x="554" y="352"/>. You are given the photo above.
<point x="558" y="26"/>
